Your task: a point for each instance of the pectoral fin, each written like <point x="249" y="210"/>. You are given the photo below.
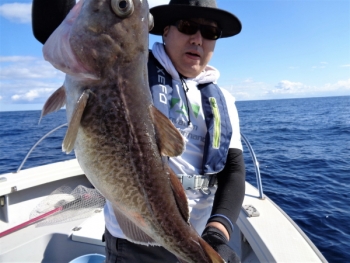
<point x="132" y="232"/>
<point x="56" y="101"/>
<point x="169" y="139"/>
<point x="74" y="123"/>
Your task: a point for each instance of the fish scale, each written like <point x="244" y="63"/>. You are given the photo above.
<point x="116" y="132"/>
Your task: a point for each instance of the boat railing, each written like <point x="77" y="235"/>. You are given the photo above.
<point x="36" y="144"/>
<point x="256" y="166"/>
<point x="244" y="138"/>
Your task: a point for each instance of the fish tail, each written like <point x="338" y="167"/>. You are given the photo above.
<point x="210" y="252"/>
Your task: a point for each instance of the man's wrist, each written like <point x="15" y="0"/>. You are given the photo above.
<point x="217" y="240"/>
<point x="220" y="227"/>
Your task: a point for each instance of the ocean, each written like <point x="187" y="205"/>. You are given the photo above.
<point x="302" y="145"/>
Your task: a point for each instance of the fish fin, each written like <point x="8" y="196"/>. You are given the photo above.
<point x="169" y="139"/>
<point x="131" y="231"/>
<point x="74" y="123"/>
<point x="210" y="252"/>
<point x="180" y="195"/>
<point x="56" y="101"/>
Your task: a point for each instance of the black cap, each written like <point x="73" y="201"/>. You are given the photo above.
<point x="165" y="15"/>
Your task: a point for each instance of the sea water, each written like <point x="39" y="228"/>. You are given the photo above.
<point x="302" y="145"/>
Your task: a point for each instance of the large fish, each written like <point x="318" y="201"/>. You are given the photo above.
<point x="119" y="137"/>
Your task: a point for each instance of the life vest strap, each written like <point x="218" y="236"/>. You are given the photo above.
<point x="198" y="182"/>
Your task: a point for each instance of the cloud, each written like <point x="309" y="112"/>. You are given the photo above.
<point x="16" y="67"/>
<point x="28" y="91"/>
<point x="17" y="12"/>
<point x="321" y="65"/>
<point x="339" y="85"/>
<point x="286" y="86"/>
<point x="21" y="12"/>
<point x="17" y="59"/>
<point x="33" y="94"/>
<point x="248" y="80"/>
<point x="27" y="79"/>
<point x="345" y="66"/>
<point x="249" y="89"/>
<point x="298" y="89"/>
<point x="153" y="3"/>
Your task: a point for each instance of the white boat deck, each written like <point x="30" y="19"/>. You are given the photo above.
<point x="21" y="192"/>
<point x="43" y="174"/>
<point x="270" y="237"/>
<point x="273" y="236"/>
<point x="91" y="231"/>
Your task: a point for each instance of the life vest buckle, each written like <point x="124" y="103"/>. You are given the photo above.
<point x="197" y="182"/>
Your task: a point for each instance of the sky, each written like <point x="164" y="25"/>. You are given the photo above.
<point x="287" y="49"/>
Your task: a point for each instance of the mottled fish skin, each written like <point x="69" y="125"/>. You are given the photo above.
<point x="116" y="142"/>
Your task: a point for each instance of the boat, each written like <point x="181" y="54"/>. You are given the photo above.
<point x="262" y="233"/>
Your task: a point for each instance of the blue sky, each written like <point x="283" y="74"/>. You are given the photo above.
<point x="287" y="49"/>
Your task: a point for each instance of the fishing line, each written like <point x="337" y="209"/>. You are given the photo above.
<point x="185" y="91"/>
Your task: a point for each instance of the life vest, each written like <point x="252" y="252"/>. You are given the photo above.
<point x="219" y="130"/>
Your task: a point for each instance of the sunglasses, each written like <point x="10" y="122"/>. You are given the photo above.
<point x="189" y="28"/>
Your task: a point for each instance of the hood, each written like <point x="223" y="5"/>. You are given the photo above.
<point x="209" y="74"/>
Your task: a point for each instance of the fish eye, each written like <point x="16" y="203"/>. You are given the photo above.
<point x="122" y="8"/>
<point x="150" y="21"/>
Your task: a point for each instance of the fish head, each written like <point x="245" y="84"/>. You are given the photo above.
<point x="99" y="35"/>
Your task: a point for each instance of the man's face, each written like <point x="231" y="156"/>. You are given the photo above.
<point x="189" y="53"/>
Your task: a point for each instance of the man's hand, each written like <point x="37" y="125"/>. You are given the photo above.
<point x="215" y="238"/>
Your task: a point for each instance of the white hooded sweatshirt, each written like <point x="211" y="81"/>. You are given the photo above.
<point x="182" y="104"/>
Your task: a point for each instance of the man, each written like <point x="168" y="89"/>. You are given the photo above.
<point x="204" y="114"/>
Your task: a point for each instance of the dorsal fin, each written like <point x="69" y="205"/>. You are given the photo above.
<point x="169" y="139"/>
<point x="74" y="123"/>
